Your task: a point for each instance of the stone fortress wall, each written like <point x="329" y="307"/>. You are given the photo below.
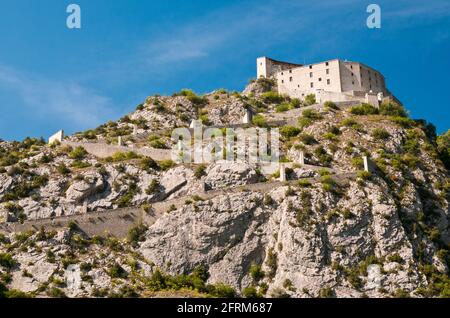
<point x="334" y="80"/>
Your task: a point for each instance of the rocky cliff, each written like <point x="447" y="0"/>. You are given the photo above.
<point x="331" y="230"/>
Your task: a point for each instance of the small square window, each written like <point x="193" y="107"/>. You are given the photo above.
<point x="351" y="66"/>
<point x="282" y="81"/>
<point x="353" y="83"/>
<point x="312" y="85"/>
<point x="328" y="71"/>
<point x="290" y="79"/>
<point x="310" y="67"/>
<point x="282" y="73"/>
<point x="320" y="79"/>
<point x="298" y="86"/>
<point x="311" y="74"/>
<point x="328" y="81"/>
<point x="353" y="74"/>
<point x="290" y="71"/>
<point x="327" y="63"/>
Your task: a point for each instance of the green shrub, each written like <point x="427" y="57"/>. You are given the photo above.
<point x="78" y="164"/>
<point x="358" y="163"/>
<point x="122" y="156"/>
<point x="307" y="139"/>
<point x="330" y="105"/>
<point x="193" y="98"/>
<point x="62" y="169"/>
<point x="380" y="134"/>
<point x="392" y="109"/>
<point x="403" y="122"/>
<point x="395" y="258"/>
<point x="323" y="157"/>
<point x="349" y="122"/>
<point x="324" y="172"/>
<point x="117" y="271"/>
<point x="364" y="175"/>
<point x="199" y="171"/>
<point x="148" y="163"/>
<point x="259" y="121"/>
<point x="326" y="293"/>
<point x="266" y="83"/>
<point x="166" y="164"/>
<point x="223" y="291"/>
<point x="7" y="261"/>
<point x="304" y="183"/>
<point x="55" y="292"/>
<point x="250" y="292"/>
<point x="158" y="144"/>
<point x="13" y="293"/>
<point x="137" y="234"/>
<point x="289" y="131"/>
<point x="364" y="109"/>
<point x="443" y="146"/>
<point x="272" y="98"/>
<point x="295" y="103"/>
<point x="310" y="99"/>
<point x="311" y="114"/>
<point x="153" y="187"/>
<point x="256" y="272"/>
<point x="283" y="107"/>
<point x="78" y="153"/>
<point x="272" y="263"/>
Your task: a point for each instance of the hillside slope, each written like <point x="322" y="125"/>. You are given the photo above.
<point x="330" y="230"/>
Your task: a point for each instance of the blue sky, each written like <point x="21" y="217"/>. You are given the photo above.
<point x="52" y="77"/>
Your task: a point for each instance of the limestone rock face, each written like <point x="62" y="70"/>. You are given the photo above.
<point x="223" y="233"/>
<point x="258" y="87"/>
<point x="91" y="184"/>
<point x="229" y="112"/>
<point x="292" y="239"/>
<point x="230" y="174"/>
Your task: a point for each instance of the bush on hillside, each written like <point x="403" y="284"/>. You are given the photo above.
<point x="392" y="109"/>
<point x="364" y="109"/>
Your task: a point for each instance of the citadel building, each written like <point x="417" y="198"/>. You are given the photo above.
<point x="333" y="80"/>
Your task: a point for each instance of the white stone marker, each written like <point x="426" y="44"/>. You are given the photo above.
<point x="248" y="117"/>
<point x="282" y="173"/>
<point x="58" y="137"/>
<point x="368" y="165"/>
<point x="302" y="158"/>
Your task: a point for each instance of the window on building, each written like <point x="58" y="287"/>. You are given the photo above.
<point x="290" y="71"/>
<point x="353" y="83"/>
<point x="310" y="67"/>
<point x="328" y="71"/>
<point x="282" y="81"/>
<point x="353" y="74"/>
<point x="328" y="82"/>
<point x="290" y="79"/>
<point x="312" y="85"/>
<point x="320" y="79"/>
<point x="327" y="63"/>
<point x="311" y="74"/>
<point x="298" y="86"/>
<point x="351" y="66"/>
<point x="281" y="73"/>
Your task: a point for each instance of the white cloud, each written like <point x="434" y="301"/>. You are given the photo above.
<point x="67" y="102"/>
